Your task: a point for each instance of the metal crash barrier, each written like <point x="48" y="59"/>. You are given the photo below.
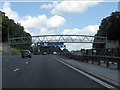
<point x="94" y="58"/>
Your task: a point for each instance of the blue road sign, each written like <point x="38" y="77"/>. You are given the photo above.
<point x="47" y="44"/>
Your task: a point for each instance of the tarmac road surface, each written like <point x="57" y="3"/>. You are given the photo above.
<point x="41" y="71"/>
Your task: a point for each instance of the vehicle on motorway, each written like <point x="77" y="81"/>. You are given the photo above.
<point x="36" y="51"/>
<point x="54" y="53"/>
<point x="44" y="53"/>
<point x="26" y="53"/>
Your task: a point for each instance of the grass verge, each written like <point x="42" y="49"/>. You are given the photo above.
<point x="15" y="51"/>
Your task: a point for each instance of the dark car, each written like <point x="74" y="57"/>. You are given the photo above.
<point x="26" y="53"/>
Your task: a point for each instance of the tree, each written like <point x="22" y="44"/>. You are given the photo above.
<point x="10" y="29"/>
<point x="110" y="28"/>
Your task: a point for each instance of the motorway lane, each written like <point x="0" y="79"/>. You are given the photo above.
<point x="42" y="71"/>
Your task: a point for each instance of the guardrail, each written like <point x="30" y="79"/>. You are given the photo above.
<point x="94" y="58"/>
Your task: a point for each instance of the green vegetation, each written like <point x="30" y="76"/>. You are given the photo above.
<point x="11" y="29"/>
<point x="110" y="28"/>
<point x="15" y="51"/>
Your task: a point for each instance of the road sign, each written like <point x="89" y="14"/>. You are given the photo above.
<point x="44" y="44"/>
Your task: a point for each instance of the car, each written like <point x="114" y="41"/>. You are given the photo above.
<point x="54" y="53"/>
<point x="45" y="53"/>
<point x="26" y="53"/>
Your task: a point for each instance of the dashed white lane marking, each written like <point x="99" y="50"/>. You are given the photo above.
<point x="16" y="69"/>
<point x="87" y="75"/>
<point x="26" y="62"/>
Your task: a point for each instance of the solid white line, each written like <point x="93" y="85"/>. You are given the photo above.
<point x="87" y="75"/>
<point x="16" y="69"/>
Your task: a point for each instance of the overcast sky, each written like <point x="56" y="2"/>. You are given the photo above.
<point x="60" y="17"/>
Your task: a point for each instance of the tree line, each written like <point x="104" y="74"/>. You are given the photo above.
<point x="11" y="29"/>
<point x="110" y="28"/>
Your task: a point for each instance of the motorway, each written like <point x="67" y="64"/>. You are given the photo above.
<point x="41" y="71"/>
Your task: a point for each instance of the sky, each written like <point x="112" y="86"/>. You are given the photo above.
<point x="81" y="17"/>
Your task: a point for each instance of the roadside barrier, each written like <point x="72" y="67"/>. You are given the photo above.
<point x="94" y="58"/>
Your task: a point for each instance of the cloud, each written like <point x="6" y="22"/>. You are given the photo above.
<point x="45" y="31"/>
<point x="26" y="30"/>
<point x="41" y="23"/>
<point x="9" y="12"/>
<point x="69" y="7"/>
<point x="88" y="30"/>
<point x="55" y="22"/>
<point x="33" y="22"/>
<point x="78" y="46"/>
<point x="46" y="6"/>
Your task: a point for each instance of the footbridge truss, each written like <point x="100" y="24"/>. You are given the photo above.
<point x="58" y="38"/>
